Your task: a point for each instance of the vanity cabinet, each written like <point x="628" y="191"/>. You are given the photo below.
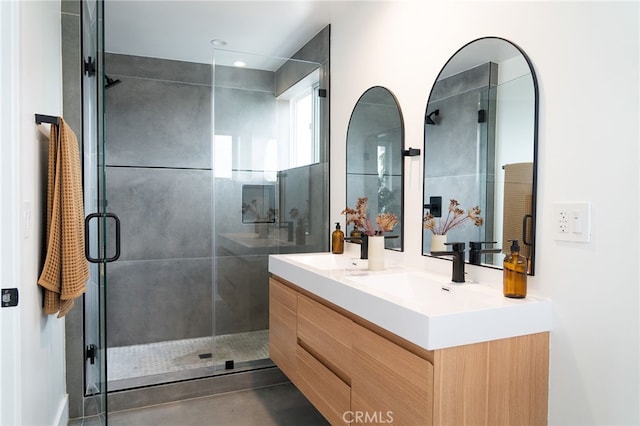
<point x="283" y="307"/>
<point x="389" y="381"/>
<point x="352" y="370"/>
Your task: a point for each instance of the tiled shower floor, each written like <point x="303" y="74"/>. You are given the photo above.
<point x="145" y="364"/>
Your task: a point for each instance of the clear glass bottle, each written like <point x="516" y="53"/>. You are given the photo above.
<point x="337" y="240"/>
<point x="514" y="282"/>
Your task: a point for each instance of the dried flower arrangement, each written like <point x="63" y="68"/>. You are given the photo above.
<point x="253" y="209"/>
<point x="456" y="217"/>
<point x="385" y="222"/>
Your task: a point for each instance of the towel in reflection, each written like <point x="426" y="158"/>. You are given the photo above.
<point x="518" y="201"/>
<point x="66" y="270"/>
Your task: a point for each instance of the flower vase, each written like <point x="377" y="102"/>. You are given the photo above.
<point x="263" y="230"/>
<point x="300" y="235"/>
<point x="376" y="252"/>
<point x="437" y="242"/>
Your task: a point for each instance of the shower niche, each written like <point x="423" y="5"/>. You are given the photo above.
<point x="258" y="204"/>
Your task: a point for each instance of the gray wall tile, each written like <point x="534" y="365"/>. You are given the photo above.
<point x="158" y="69"/>
<point x="151" y="301"/>
<point x="72" y="99"/>
<point x="70" y="6"/>
<point x="158" y="123"/>
<point x="164" y="213"/>
<point x="246" y="79"/>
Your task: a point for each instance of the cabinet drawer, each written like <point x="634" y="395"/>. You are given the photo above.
<point x="282" y="327"/>
<point x="283" y="294"/>
<point x="326" y="334"/>
<point x="390" y="380"/>
<point x="330" y="395"/>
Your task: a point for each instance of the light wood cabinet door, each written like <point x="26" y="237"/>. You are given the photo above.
<point x="282" y="326"/>
<point x="325" y="334"/>
<point x="389" y="383"/>
<point x="326" y="391"/>
<point x="501" y="382"/>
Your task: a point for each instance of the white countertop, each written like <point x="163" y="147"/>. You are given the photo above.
<point x="424" y="308"/>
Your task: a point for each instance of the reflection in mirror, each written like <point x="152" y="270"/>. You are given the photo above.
<point x="480" y="150"/>
<point x="375" y="138"/>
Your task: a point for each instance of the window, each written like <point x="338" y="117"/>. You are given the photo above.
<point x="304" y="121"/>
<point x="222" y="156"/>
<point x="304" y="128"/>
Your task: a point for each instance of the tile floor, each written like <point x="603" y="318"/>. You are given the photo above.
<point x="161" y="362"/>
<point x="279" y="405"/>
<point x="126" y="362"/>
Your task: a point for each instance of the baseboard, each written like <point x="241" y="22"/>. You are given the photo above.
<point x="153" y="395"/>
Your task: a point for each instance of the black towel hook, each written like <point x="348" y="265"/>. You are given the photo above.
<point x="41" y="118"/>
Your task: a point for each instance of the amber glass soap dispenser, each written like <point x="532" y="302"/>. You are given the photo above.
<point x="337" y="240"/>
<point x="515" y="273"/>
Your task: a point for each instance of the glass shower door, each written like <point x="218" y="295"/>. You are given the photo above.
<point x="94" y="201"/>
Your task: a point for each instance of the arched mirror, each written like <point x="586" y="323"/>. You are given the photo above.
<point x="480" y="150"/>
<point x="375" y="139"/>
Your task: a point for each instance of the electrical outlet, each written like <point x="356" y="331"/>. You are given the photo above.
<point x="572" y="222"/>
<point x="563" y="221"/>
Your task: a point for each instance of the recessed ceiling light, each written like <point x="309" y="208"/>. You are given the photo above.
<point x="239" y="64"/>
<point x="218" y="42"/>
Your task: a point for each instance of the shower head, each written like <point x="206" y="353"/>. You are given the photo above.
<point x="429" y="120"/>
<point x="110" y="82"/>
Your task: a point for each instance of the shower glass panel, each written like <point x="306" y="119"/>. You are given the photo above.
<point x="94" y="202"/>
<point x="270" y="188"/>
<point x="201" y="210"/>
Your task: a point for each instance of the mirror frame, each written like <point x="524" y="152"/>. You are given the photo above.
<point x="401" y="222"/>
<point x="536" y="105"/>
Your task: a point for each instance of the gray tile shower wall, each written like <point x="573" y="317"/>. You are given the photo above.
<point x="71" y="107"/>
<point x="159" y="123"/>
<point x="160" y="183"/>
<point x="165" y="213"/>
<point x="160" y="113"/>
<point x="158" y="300"/>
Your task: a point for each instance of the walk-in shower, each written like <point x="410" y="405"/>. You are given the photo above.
<point x="210" y="168"/>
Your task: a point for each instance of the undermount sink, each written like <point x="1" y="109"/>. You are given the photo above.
<point x="323" y="261"/>
<point x="422" y="290"/>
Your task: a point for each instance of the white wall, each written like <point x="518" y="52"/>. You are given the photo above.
<point x="34" y="391"/>
<point x="586" y="58"/>
<point x="585" y="55"/>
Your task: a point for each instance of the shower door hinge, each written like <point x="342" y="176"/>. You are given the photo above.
<point x="90" y="67"/>
<point x="91" y="353"/>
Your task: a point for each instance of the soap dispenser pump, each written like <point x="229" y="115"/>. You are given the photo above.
<point x="515" y="273"/>
<point x="337" y="240"/>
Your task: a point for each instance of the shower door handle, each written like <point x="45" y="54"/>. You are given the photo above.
<point x="87" y="251"/>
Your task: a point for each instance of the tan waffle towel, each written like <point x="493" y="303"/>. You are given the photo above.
<point x="66" y="270"/>
<point x="518" y="196"/>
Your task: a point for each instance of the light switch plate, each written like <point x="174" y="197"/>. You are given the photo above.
<point x="572" y="222"/>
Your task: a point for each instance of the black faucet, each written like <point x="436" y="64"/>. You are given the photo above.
<point x="457" y="274"/>
<point x="476" y="251"/>
<point x="363" y="240"/>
